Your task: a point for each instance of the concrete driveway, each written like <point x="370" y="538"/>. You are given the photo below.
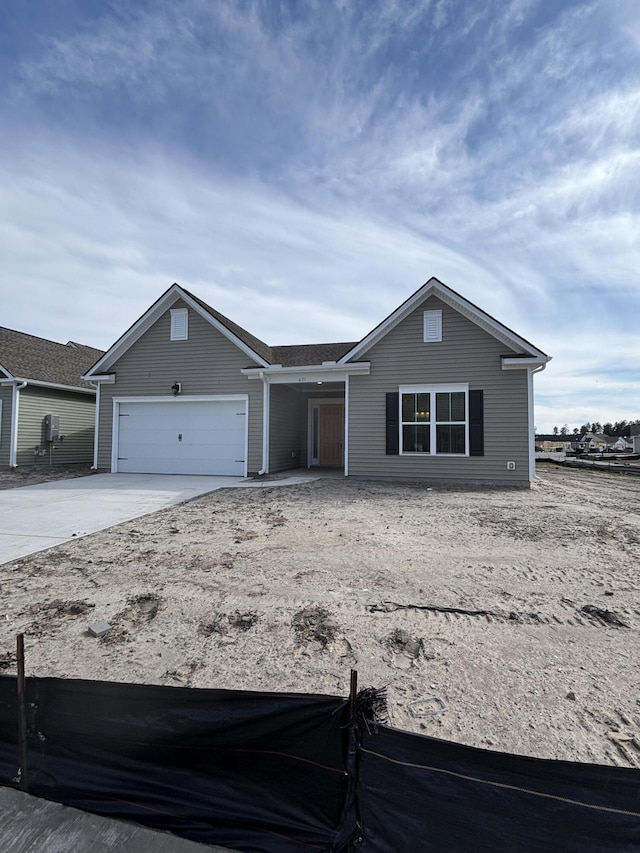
<point x="33" y="518"/>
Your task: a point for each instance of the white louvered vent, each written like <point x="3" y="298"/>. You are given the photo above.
<point x="432" y="326"/>
<point x="179" y="324"/>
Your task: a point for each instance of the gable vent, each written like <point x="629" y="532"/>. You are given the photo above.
<point x="432" y="326"/>
<point x="179" y="324"/>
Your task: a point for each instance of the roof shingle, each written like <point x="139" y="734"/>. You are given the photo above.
<point x="39" y="360"/>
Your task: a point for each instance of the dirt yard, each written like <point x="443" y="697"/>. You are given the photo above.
<point x="503" y="619"/>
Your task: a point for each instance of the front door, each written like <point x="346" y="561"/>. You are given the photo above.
<point x="331" y="435"/>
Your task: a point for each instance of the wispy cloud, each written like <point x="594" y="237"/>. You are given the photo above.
<point x="331" y="154"/>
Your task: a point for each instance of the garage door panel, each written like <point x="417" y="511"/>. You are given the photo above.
<point x="176" y="437"/>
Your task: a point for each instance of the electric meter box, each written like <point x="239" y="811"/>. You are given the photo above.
<point x="51" y="427"/>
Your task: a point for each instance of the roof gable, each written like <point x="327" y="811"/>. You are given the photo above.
<point x="434" y="287"/>
<point x="250" y="345"/>
<point x="24" y="356"/>
<point x="306" y="355"/>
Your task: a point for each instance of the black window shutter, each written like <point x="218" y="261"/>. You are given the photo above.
<point x="476" y="423"/>
<point x="393" y="432"/>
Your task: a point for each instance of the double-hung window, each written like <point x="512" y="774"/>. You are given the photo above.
<point x="434" y="419"/>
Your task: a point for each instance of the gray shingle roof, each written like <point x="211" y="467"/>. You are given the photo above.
<point x="305" y="354"/>
<point x="302" y="354"/>
<point x="28" y="357"/>
<point x="247" y="338"/>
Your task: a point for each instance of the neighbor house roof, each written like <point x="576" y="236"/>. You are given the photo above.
<point x="597" y="436"/>
<point x="38" y="360"/>
<point x="560" y="437"/>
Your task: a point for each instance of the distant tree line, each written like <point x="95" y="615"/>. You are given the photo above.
<point x="616" y="429"/>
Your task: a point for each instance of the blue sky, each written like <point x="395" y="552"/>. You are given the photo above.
<point x="305" y="166"/>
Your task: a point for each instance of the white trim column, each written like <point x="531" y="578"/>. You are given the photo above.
<point x="346" y="426"/>
<point x="266" y="414"/>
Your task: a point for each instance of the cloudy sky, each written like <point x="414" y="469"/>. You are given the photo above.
<point x="305" y="165"/>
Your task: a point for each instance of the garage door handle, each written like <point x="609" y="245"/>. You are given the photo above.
<point x="179" y="436"/>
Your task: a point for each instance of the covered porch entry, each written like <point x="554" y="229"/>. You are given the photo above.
<point x="306" y="415"/>
<point x="306" y="426"/>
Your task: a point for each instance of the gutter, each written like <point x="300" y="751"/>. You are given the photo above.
<point x="538" y="368"/>
<point x="39" y="384"/>
<point x="96" y="426"/>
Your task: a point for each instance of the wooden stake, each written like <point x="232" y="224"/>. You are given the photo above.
<point x="22" y="715"/>
<point x="353" y="692"/>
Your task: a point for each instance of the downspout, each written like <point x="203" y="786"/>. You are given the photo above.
<point x="532" y="437"/>
<point x="96" y="427"/>
<point x="15" y="405"/>
<point x="266" y="397"/>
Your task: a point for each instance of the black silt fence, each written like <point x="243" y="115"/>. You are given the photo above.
<point x="252" y="771"/>
<point x="422" y="794"/>
<point x="274" y="773"/>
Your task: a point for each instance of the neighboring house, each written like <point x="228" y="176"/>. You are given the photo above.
<point x="554" y="443"/>
<point x="439" y="390"/>
<point x="47" y="411"/>
<point x="594" y="441"/>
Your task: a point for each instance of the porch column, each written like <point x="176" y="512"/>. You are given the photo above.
<point x="266" y="407"/>
<point x="346" y="426"/>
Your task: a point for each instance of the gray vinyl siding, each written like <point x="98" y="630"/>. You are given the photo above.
<point x="77" y="421"/>
<point x="5" y="424"/>
<point x="466" y="354"/>
<point x="287" y="415"/>
<point x="206" y="363"/>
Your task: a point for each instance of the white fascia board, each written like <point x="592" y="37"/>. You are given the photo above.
<point x="8" y="374"/>
<point x="515" y="363"/>
<point x="58" y="387"/>
<point x="104" y="378"/>
<point x="309" y="373"/>
<point x="436" y="288"/>
<point x="153" y="314"/>
<point x="184" y="398"/>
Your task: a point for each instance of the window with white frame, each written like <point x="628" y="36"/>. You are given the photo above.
<point x="179" y="324"/>
<point x="434" y="419"/>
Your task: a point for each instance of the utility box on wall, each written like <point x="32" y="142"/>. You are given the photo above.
<point x="51" y="427"/>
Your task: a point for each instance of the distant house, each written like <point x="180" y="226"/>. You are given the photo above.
<point x="550" y="442"/>
<point x="47" y="411"/>
<point x="590" y="441"/>
<point x="439" y="390"/>
<point x="621" y="444"/>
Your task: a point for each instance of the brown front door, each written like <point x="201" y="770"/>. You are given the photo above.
<point x="331" y="429"/>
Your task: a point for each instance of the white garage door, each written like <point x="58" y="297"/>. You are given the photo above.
<point x="182" y="437"/>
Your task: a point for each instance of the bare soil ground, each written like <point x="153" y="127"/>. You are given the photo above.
<point x="31" y="475"/>
<point x="503" y="619"/>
